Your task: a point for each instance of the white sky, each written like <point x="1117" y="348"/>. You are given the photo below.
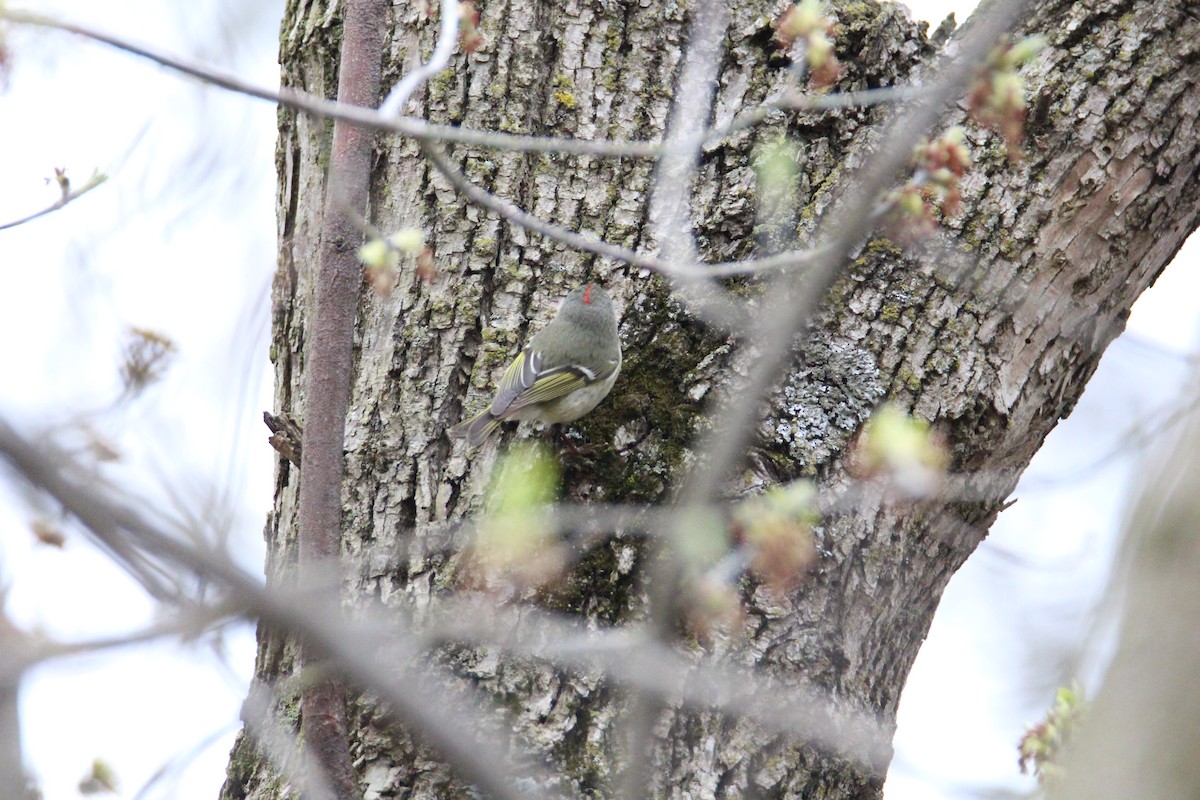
<point x="182" y="241"/>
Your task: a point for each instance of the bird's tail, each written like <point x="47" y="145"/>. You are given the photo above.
<point x="476" y="429"/>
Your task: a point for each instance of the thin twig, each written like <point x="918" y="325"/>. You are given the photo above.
<point x="1138" y="436"/>
<point x="448" y="724"/>
<point x="670" y="193"/>
<point x="849" y="219"/>
<point x="353" y="648"/>
<point x="437" y="62"/>
<point x="634" y="658"/>
<point x="186" y="626"/>
<point x="794" y="101"/>
<point x="172" y="770"/>
<point x="575" y="529"/>
<point x="418" y="128"/>
<point x="427" y="132"/>
<point x="591" y="244"/>
<point x="361" y="116"/>
<point x="68" y="196"/>
<point x="669" y="204"/>
<point x="524" y="219"/>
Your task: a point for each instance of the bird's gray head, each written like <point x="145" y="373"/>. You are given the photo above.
<point x="589" y="301"/>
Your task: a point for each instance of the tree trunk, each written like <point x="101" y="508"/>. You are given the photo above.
<point x="1060" y="244"/>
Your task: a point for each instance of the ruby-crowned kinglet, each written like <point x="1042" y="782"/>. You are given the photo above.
<point x="562" y="374"/>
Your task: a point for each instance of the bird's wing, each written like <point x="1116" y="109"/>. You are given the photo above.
<point x="525" y="383"/>
<point x="520" y="375"/>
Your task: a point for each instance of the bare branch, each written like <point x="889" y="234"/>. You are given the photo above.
<point x="634" y="658"/>
<point x="849" y="219"/>
<point x="669" y="206"/>
<point x="188" y="625"/>
<point x="671" y="192"/>
<point x="360" y="116"/>
<point x="448" y="724"/>
<point x="792" y="100"/>
<point x="425" y="131"/>
<point x="68" y="196"/>
<point x="524" y="219"/>
<point x="351" y="648"/>
<point x="178" y="763"/>
<point x="590" y="244"/>
<point x="437" y="62"/>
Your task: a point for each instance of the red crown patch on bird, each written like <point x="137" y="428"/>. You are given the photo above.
<point x="587" y="295"/>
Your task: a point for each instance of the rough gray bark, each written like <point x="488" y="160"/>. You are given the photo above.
<point x="993" y="355"/>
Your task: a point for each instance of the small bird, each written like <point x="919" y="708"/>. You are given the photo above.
<point x="563" y="373"/>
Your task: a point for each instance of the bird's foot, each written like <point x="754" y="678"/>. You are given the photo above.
<point x="570" y="449"/>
